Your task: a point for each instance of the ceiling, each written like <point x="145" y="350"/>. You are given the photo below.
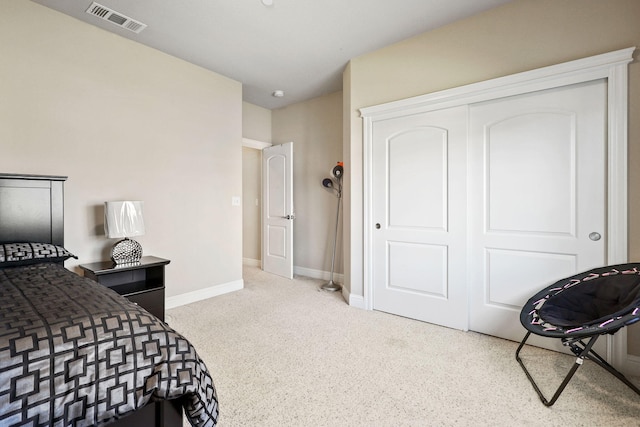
<point x="298" y="46"/>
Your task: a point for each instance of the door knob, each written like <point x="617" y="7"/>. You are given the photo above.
<point x="289" y="217"/>
<point x="378" y="225"/>
<point x="595" y="236"/>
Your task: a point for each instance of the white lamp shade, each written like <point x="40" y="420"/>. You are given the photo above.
<point x="123" y="219"/>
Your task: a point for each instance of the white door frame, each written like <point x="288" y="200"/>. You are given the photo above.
<point x="255" y="144"/>
<point x="612" y="66"/>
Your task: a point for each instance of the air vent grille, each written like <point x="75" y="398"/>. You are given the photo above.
<point x="115" y="18"/>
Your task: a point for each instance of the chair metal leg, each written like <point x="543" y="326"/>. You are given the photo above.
<point x="595" y="357"/>
<point x="574" y="368"/>
<point x="582" y="351"/>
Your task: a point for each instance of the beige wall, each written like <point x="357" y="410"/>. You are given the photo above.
<point x="251" y="204"/>
<point x="519" y="36"/>
<point x="315" y="127"/>
<point x="352" y="241"/>
<point x="256" y="125"/>
<point x="124" y="121"/>
<point x="256" y="122"/>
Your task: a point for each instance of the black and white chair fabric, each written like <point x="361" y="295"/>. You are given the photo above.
<point x="580" y="309"/>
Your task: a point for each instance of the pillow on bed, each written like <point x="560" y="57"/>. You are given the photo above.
<point x="13" y="254"/>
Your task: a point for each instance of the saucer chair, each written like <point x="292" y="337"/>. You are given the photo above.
<point x="580" y="309"/>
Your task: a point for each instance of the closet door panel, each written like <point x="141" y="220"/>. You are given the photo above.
<point x="536" y="192"/>
<point x="531" y="172"/>
<point x="419" y="240"/>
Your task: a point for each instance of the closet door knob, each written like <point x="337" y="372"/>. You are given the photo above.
<point x="378" y="225"/>
<point x="595" y="236"/>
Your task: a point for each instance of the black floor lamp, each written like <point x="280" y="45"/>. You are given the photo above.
<point x="334" y="183"/>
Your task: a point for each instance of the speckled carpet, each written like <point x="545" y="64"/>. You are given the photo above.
<point x="284" y="353"/>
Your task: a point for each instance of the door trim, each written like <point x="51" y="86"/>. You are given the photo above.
<point x="255" y="144"/>
<point x="612" y="66"/>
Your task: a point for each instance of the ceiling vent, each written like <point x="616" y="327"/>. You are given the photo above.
<point x="115" y="18"/>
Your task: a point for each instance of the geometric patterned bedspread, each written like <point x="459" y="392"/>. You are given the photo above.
<point x="75" y="353"/>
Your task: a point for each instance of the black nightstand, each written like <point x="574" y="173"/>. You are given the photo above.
<point x="142" y="282"/>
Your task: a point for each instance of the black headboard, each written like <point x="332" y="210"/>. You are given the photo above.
<point x="32" y="208"/>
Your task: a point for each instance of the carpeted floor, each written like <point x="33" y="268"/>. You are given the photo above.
<point x="284" y="353"/>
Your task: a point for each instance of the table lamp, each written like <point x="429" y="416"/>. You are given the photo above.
<point x="123" y="219"/>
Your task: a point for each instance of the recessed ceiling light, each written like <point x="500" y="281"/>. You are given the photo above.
<point x="278" y="93"/>
<point x="267" y="2"/>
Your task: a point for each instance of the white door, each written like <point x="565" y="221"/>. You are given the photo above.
<point x="419" y="240"/>
<point x="277" y="210"/>
<point x="536" y="193"/>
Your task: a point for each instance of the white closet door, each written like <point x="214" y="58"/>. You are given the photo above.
<point x="536" y="195"/>
<point x="419" y="196"/>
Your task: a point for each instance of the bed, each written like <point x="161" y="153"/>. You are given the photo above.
<point x="73" y="352"/>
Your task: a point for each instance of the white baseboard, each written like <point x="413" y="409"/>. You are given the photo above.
<point x="201" y="294"/>
<point x="318" y="274"/>
<point x="301" y="271"/>
<point x="252" y="262"/>
<point x="356" y="301"/>
<point x="353" y="300"/>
